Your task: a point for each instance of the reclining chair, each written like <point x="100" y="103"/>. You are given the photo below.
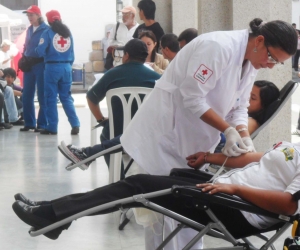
<point x="285" y="93"/>
<point x="201" y="201"/>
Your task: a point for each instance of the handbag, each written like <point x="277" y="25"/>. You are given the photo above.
<point x="24" y="64"/>
<point x="109" y="62"/>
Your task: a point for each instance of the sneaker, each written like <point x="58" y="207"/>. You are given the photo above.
<point x="6" y="125"/>
<point x="74" y="154"/>
<point x="75" y="131"/>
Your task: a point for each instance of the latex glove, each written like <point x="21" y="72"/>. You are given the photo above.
<point x="232" y="139"/>
<point x="249" y="143"/>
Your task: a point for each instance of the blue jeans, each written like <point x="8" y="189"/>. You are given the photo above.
<point x="58" y="80"/>
<point x="105" y="144"/>
<point x="89" y="151"/>
<point x="34" y="77"/>
<point x="10" y="105"/>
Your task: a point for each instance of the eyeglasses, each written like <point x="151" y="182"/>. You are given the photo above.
<point x="271" y="58"/>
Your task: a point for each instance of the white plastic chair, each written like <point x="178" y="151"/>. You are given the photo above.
<point x="134" y="93"/>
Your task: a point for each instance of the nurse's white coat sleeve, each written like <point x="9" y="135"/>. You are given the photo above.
<point x="204" y="68"/>
<point x="239" y="115"/>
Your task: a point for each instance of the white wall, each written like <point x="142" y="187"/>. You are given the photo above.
<point x="86" y="20"/>
<point x="296" y="13"/>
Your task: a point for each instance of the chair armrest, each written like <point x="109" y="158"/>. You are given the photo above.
<point x="225" y="200"/>
<point x="191" y="173"/>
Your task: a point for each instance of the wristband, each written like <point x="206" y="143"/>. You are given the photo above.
<point x="241" y="130"/>
<point x="101" y="120"/>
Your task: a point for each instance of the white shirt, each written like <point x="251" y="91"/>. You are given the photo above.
<point x="4" y="56"/>
<point x="278" y="169"/>
<point x="123" y="36"/>
<point x="205" y="74"/>
<point x="104" y="46"/>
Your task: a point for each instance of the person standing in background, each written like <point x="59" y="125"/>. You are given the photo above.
<point x="296" y="56"/>
<point x="104" y="42"/>
<point x="147" y="10"/>
<point x="5" y="56"/>
<point x="122" y="33"/>
<point x="35" y="76"/>
<point x="56" y="46"/>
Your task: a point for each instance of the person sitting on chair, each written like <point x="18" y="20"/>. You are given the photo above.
<point x="262" y="95"/>
<point x="186" y="36"/>
<point x="169" y="46"/>
<point x="132" y="73"/>
<point x="269" y="181"/>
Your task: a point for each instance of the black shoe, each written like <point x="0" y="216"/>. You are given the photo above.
<point x="21" y="197"/>
<point x="18" y="123"/>
<point x="6" y="125"/>
<point x="75" y="131"/>
<point x="26" y="128"/>
<point x="26" y="214"/>
<point x="39" y="130"/>
<point x="47" y="132"/>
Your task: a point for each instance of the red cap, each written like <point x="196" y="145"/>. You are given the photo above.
<point x="53" y="15"/>
<point x="33" y="9"/>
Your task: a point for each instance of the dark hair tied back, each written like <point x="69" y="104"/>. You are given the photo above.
<point x="277" y="34"/>
<point x="255" y="25"/>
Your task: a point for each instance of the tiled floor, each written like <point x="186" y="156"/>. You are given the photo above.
<point x="30" y="163"/>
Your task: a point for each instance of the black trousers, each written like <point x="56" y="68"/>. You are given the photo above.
<point x="69" y="205"/>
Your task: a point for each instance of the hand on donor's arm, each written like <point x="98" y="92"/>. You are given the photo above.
<point x="218" y="188"/>
<point x="196" y="160"/>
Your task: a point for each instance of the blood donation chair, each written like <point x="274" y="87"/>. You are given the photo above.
<point x="200" y="201"/>
<point x="285" y="93"/>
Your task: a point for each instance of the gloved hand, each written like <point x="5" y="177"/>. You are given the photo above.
<point x="232" y="139"/>
<point x="249" y="143"/>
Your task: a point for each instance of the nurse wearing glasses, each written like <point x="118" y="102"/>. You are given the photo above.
<point x="204" y="91"/>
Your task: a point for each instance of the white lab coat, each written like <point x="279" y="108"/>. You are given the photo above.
<point x="206" y="73"/>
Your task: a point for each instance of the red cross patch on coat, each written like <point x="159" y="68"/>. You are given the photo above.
<point x="203" y="73"/>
